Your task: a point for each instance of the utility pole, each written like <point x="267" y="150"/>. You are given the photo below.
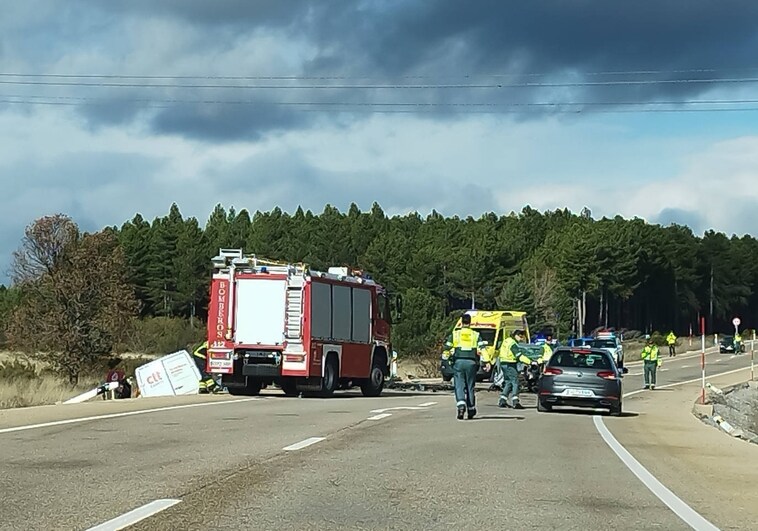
<point x="711" y="299"/>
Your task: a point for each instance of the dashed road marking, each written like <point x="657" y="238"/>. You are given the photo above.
<point x="410" y="408"/>
<point x="303" y="444"/>
<point x="119" y="415"/>
<point x="380" y="416"/>
<point x="136" y="515"/>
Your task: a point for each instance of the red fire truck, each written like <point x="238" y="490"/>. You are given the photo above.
<point x="306" y="331"/>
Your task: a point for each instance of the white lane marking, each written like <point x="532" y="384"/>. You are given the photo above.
<point x="303" y="444"/>
<point x="137" y="515"/>
<point x="718" y="360"/>
<point x="681" y="509"/>
<point x="690" y="354"/>
<point x="631" y="393"/>
<point x="684" y="366"/>
<point x="380" y="416"/>
<point x="411" y="408"/>
<point x="119" y="415"/>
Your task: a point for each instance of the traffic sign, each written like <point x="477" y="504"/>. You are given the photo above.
<point x="736" y="321"/>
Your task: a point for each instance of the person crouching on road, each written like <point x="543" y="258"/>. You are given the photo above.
<point x="464" y="343"/>
<point x="509" y="356"/>
<point x="207" y="383"/>
<point x="651" y="361"/>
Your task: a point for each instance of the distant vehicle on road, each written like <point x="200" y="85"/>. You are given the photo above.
<point x="726" y="344"/>
<point x="612" y="344"/>
<point x="581" y="377"/>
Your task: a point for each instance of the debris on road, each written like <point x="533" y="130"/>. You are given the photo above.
<point x="430" y="384"/>
<point x="97" y="391"/>
<point x="172" y="375"/>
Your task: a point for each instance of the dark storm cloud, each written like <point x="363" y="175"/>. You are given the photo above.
<point x="498" y="36"/>
<point x="223" y="122"/>
<point x="441" y="40"/>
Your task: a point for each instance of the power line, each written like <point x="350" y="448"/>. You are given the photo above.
<point x="693" y="81"/>
<point x="338" y="78"/>
<point x="107" y="100"/>
<point x="318" y="107"/>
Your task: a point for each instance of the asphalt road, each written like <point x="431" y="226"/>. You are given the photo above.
<point x="369" y="467"/>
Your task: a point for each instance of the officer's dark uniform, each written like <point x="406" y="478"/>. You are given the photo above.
<point x="464" y="344"/>
<point x="207" y="383"/>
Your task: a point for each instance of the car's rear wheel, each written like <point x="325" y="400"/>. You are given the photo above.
<point x="543" y="406"/>
<point x="616" y="410"/>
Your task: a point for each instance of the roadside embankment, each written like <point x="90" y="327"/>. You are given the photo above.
<point x="733" y="409"/>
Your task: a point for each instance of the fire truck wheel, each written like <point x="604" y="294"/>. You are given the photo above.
<point x="289" y="386"/>
<point x="374" y="385"/>
<point x="331" y="377"/>
<point x="251" y="388"/>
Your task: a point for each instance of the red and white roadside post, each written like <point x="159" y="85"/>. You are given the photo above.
<point x="702" y="359"/>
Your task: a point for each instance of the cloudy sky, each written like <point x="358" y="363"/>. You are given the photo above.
<point x="109" y="108"/>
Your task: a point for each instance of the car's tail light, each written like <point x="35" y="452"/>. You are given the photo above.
<point x="607" y="375"/>
<point x="551" y="371"/>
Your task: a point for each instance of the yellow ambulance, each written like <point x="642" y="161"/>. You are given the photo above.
<point x="493" y="326"/>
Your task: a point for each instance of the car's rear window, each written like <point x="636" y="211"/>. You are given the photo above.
<point x="580" y="360"/>
<point x="604" y="343"/>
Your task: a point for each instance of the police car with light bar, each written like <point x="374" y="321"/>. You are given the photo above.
<point x="610" y="342"/>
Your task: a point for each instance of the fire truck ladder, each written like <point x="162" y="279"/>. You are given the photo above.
<point x="293" y="318"/>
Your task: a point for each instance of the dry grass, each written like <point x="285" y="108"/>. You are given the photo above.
<point x="45" y="389"/>
<point x="26" y="382"/>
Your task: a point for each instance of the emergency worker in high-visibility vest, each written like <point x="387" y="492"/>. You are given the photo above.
<point x="509" y="357"/>
<point x="651" y="361"/>
<point x="207" y="383"/>
<point x="547" y="349"/>
<point x="671" y="342"/>
<point x="463" y="347"/>
<point x="737" y="343"/>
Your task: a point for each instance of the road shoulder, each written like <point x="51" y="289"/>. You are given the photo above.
<point x="711" y="471"/>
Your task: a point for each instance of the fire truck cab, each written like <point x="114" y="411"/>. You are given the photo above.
<point x="307" y="331"/>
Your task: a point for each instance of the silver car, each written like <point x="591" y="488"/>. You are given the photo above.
<point x="612" y="345"/>
<point x="581" y="377"/>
